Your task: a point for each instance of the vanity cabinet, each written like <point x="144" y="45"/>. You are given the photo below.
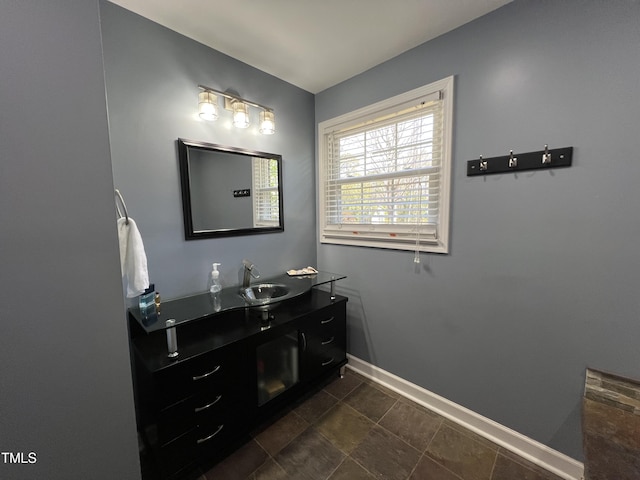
<point x="232" y="372"/>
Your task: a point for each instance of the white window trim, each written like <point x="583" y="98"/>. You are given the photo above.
<point x="260" y="186"/>
<point x="437" y="245"/>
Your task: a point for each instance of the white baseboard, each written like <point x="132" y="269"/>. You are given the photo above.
<point x="537" y="453"/>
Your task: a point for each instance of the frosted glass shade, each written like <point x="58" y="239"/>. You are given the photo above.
<point x="240" y="115"/>
<point x="267" y="123"/>
<point x="208" y="106"/>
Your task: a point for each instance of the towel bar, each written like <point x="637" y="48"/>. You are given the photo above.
<point x="124" y="207"/>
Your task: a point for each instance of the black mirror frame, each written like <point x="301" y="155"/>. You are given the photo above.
<point x="183" y="156"/>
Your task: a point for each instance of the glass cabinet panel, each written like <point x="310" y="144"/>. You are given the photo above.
<point x="277" y="366"/>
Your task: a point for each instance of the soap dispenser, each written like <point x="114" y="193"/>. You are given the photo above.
<point x="216" y="287"/>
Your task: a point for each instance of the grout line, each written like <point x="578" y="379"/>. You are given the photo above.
<point x="330" y="394"/>
<point x="339" y="465"/>
<point x="289" y="442"/>
<point x="385" y="413"/>
<point x="495" y="462"/>
<point x="361" y="466"/>
<point x="281" y="467"/>
<point x="350" y="391"/>
<point x="440" y="465"/>
<point x="399" y="438"/>
<point x="434" y="435"/>
<point x="415" y="466"/>
<point x="269" y="457"/>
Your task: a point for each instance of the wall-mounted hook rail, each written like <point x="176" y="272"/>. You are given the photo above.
<point x="543" y="159"/>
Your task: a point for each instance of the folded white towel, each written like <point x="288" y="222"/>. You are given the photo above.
<point x="302" y="271"/>
<point x="133" y="259"/>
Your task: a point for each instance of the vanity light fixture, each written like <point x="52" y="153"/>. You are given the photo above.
<point x="208" y="109"/>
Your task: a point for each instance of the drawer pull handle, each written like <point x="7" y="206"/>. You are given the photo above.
<point x="324" y="364"/>
<point x="205" y="375"/>
<point x="205" y="439"/>
<point x="327" y="342"/>
<point x="199" y="409"/>
<point x="304" y="342"/>
<point x="328" y="320"/>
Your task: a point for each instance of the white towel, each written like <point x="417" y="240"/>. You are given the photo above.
<point x="302" y="271"/>
<point x="133" y="259"/>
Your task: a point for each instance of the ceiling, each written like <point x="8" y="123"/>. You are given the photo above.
<point x="313" y="44"/>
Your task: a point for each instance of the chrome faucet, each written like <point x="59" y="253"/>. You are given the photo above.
<point x="250" y="270"/>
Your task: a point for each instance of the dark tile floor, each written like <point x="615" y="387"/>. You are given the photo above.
<point x="611" y="427"/>
<point x="355" y="429"/>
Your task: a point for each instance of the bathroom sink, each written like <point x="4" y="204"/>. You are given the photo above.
<point x="263" y="294"/>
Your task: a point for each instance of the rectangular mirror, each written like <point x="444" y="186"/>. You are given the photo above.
<point x="229" y="191"/>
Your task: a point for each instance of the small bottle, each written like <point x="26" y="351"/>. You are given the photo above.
<point x="216" y="288"/>
<point x="146" y="301"/>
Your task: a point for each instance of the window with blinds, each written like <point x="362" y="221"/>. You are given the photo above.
<point x="266" y="202"/>
<point x="385" y="172"/>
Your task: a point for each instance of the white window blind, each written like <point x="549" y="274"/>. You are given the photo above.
<point x="385" y="174"/>
<point x="266" y="203"/>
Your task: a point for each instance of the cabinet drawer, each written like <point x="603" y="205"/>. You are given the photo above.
<point x="329" y="318"/>
<point x="215" y="371"/>
<point x="327" y="327"/>
<point x="205" y="438"/>
<point x="192" y="411"/>
<point x="327" y="349"/>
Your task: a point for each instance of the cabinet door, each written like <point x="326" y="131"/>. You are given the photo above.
<point x="324" y="340"/>
<point x="277" y="366"/>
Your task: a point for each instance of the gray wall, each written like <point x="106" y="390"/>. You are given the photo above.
<point x="544" y="270"/>
<point x="152" y="76"/>
<point x="65" y="380"/>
